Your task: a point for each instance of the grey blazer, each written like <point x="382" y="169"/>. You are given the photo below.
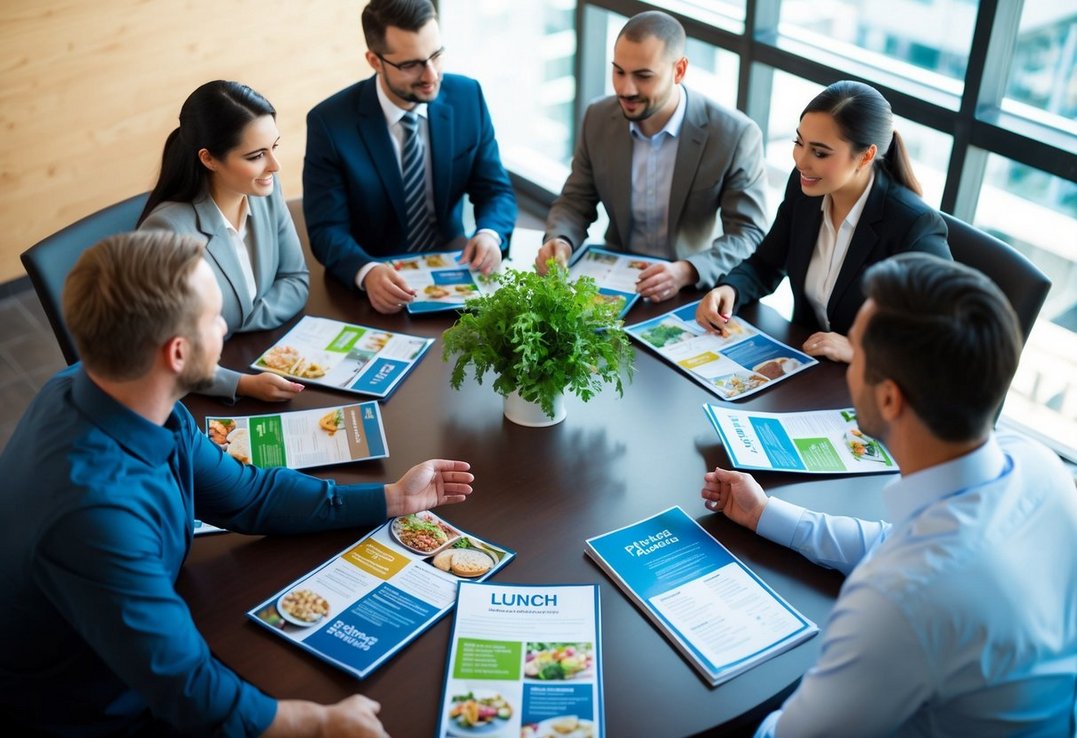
<point x="718" y="173"/>
<point x="280" y="270"/>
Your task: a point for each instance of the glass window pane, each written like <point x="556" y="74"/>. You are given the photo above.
<point x="929" y="149"/>
<point x="526" y="70"/>
<point x="925" y="40"/>
<point x="1043" y="83"/>
<point x="727" y="14"/>
<point x="1037" y="214"/>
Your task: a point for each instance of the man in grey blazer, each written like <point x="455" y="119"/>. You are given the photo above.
<point x="682" y="179"/>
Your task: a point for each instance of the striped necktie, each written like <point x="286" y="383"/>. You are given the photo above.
<point x="422" y="233"/>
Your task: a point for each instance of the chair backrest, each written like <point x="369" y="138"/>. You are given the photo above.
<point x="1019" y="279"/>
<point x="48" y="261"/>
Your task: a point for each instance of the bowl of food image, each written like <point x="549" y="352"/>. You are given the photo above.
<point x="302" y="607"/>
<point x="863" y="447"/>
<point x="219" y="428"/>
<point x="423" y="533"/>
<point x="239" y="445"/>
<point x="478" y="712"/>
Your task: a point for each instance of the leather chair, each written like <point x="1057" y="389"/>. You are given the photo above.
<point x="48" y="262"/>
<point x="1024" y="285"/>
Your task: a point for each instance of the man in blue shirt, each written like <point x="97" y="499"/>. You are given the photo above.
<point x="959" y="617"/>
<point x="101" y="479"/>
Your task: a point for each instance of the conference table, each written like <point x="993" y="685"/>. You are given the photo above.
<point x="541" y="492"/>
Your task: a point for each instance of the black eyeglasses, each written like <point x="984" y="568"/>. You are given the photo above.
<point x="415" y="67"/>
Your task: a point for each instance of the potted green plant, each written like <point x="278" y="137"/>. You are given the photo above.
<point x="541" y="336"/>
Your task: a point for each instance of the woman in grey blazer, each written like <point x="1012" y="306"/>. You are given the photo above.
<point x="218" y="180"/>
<point x="851" y="201"/>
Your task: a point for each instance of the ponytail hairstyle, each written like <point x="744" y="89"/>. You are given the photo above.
<point x="864" y="118"/>
<point x="212" y="118"/>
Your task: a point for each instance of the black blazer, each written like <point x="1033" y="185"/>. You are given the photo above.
<point x="894" y="220"/>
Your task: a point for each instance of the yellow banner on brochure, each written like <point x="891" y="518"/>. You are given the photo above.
<point x="375" y="558"/>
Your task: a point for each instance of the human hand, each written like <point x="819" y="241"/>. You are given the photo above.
<point x="736" y="495"/>
<point x="833" y="346"/>
<point x="267" y="386"/>
<point x="482" y="253"/>
<point x="664" y="280"/>
<point x="715" y="309"/>
<point x="388" y="291"/>
<point x="352" y="717"/>
<point x="429" y="484"/>
<point x="557" y="249"/>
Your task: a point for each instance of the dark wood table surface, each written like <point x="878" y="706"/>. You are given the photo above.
<point x="541" y="492"/>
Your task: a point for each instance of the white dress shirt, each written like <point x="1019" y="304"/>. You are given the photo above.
<point x="393" y="117"/>
<point x="829" y="254"/>
<point x="960" y="618"/>
<point x="242" y="248"/>
<point x="653" y="159"/>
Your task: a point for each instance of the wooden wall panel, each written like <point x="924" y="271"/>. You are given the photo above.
<point x="90" y="88"/>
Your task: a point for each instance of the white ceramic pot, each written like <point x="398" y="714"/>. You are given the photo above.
<point x="522" y="412"/>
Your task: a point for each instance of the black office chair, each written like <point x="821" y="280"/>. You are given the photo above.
<point x="48" y="262"/>
<point x="1019" y="279"/>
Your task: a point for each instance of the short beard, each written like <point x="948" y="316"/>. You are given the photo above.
<point x="409" y="95"/>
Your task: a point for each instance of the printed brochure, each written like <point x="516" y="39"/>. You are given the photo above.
<point x="353" y="358"/>
<point x="741" y="364"/>
<point x="365" y="604"/>
<point x="524" y="660"/>
<point x="816" y="442"/>
<point x="718" y="614"/>
<point x="439" y="280"/>
<point x="614" y="272"/>
<point x="302" y="438"/>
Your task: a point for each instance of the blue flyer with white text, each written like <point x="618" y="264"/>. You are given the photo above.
<point x="352" y="358"/>
<point x="813" y="442"/>
<point x="716" y="611"/>
<point x="365" y="604"/>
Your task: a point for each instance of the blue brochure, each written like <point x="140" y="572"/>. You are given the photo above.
<point x="717" y="613"/>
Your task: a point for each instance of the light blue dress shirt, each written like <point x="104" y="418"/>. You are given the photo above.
<point x="99" y="504"/>
<point x="653" y="160"/>
<point x="960" y="618"/>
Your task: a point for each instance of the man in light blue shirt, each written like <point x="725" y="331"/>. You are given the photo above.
<point x="101" y="479"/>
<point x="958" y="617"/>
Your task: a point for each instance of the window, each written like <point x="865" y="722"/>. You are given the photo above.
<point x="1043" y="83"/>
<point x="524" y="55"/>
<point x="1037" y="214"/>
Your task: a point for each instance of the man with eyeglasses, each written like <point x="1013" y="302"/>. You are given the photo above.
<point x="680" y="176"/>
<point x="389" y="160"/>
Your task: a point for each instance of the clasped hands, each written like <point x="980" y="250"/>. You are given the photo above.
<point x="657" y="283"/>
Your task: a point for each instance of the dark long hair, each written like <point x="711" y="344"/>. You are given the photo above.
<point x="212" y="118"/>
<point x="864" y="118"/>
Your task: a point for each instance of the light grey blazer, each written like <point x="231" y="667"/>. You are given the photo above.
<point x="717" y="214"/>
<point x="280" y="270"/>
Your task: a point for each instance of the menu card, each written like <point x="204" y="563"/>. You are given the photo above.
<point x="524" y="660"/>
<point x="353" y="358"/>
<point x="439" y="280"/>
<point x="816" y="442"/>
<point x="718" y="614"/>
<point x="741" y="364"/>
<point x="300" y="439"/>
<point x="615" y="273"/>
<point x="369" y="601"/>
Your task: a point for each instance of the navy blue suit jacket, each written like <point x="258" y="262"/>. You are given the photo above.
<point x="894" y="220"/>
<point x="353" y="196"/>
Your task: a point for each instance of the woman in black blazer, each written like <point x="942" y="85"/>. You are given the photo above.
<point x="851" y="201"/>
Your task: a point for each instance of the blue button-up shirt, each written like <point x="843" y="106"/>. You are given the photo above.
<point x="960" y="618"/>
<point x="98" y="504"/>
<point x="653" y="160"/>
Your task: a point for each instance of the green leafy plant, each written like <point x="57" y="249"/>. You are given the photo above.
<point x="541" y="336"/>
